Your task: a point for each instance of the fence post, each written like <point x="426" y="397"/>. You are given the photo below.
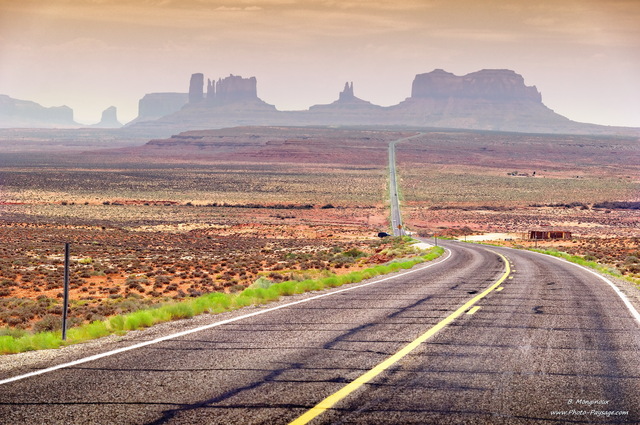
<point x="65" y="302"/>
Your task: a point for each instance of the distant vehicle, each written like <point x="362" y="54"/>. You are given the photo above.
<point x="383" y="234"/>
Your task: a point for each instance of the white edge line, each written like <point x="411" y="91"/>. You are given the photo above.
<point x="212" y="325"/>
<point x="622" y="296"/>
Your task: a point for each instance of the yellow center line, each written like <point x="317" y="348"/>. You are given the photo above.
<point x="334" y="398"/>
<point x="500" y="289"/>
<point x="473" y="310"/>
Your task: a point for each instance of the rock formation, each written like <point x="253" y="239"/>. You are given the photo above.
<point x="489" y="84"/>
<point x="349" y="104"/>
<point x="155" y="105"/>
<point x="24" y="113"/>
<point x="230" y="101"/>
<point x="490" y="99"/>
<point x="232" y="89"/>
<point x="346" y="94"/>
<point x="196" y="87"/>
<point x="484" y="100"/>
<point x="109" y="118"/>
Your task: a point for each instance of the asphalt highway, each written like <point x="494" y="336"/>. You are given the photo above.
<point x="548" y="342"/>
<point x="396" y="216"/>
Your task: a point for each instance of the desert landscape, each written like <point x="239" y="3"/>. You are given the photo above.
<point x="145" y="229"/>
<point x="218" y="210"/>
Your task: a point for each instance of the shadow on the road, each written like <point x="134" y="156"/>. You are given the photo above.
<point x="167" y="415"/>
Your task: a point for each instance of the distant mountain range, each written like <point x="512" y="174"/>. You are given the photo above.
<point x="490" y="99"/>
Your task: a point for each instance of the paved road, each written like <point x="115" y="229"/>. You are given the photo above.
<point x="554" y="336"/>
<point x="396" y="217"/>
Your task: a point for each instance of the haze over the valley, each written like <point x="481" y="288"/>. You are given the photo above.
<point x="583" y="56"/>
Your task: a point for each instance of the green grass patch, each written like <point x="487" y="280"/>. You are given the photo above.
<point x="16" y="342"/>
<point x="611" y="271"/>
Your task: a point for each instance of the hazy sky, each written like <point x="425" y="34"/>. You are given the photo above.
<point x="583" y="55"/>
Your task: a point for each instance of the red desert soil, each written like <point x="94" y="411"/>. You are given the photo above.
<point x="215" y="210"/>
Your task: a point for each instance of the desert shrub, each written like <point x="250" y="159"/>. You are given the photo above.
<point x="354" y="253"/>
<point x="309" y="285"/>
<point x="590" y="257"/>
<point x="12" y="332"/>
<point x="633" y="268"/>
<point x="331" y="281"/>
<point x="285" y="288"/>
<point x="262" y="282"/>
<point x="40" y="341"/>
<point x="7" y="283"/>
<point x="242" y="301"/>
<point x="213" y="303"/>
<point x="48" y="323"/>
<point x="9" y="344"/>
<point x="117" y="323"/>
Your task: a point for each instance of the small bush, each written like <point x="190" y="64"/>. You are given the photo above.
<point x="137" y="320"/>
<point x="48" y="323"/>
<point x="8" y="345"/>
<point x="262" y="282"/>
<point x="117" y="323"/>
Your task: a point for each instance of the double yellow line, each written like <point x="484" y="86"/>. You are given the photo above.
<point x="334" y="398"/>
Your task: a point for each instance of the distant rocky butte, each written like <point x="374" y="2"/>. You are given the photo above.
<point x="156" y="105"/>
<point x="228" y="102"/>
<point x="23" y="113"/>
<point x="490" y="99"/>
<point x="489" y="84"/>
<point x="346" y="101"/>
<point x="109" y="119"/>
<point x="232" y="89"/>
<point x="225" y="93"/>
